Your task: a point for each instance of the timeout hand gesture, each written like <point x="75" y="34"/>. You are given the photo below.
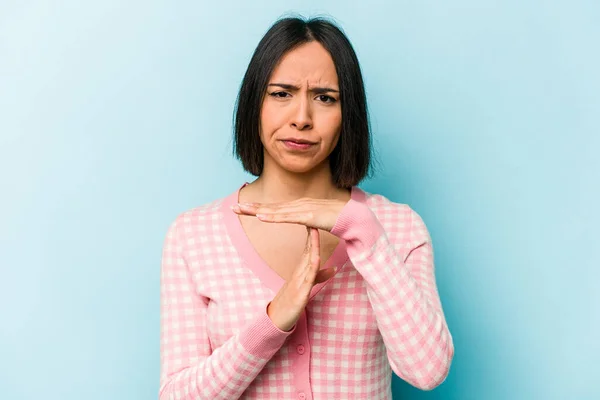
<point x="287" y="306"/>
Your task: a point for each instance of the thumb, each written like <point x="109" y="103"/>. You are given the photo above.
<point x="325" y="274"/>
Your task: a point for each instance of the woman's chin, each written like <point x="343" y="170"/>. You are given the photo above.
<point x="299" y="168"/>
<point x="296" y="165"/>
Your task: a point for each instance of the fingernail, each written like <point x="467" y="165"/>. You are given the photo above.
<point x="235" y="208"/>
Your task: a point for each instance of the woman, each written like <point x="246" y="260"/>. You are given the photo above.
<point x="300" y="285"/>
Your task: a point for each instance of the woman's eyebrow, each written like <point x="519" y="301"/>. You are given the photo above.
<point x="316" y="90"/>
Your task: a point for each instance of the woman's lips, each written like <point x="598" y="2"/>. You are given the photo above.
<point x="297" y="146"/>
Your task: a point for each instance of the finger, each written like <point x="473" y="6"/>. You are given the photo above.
<point x="315" y="242"/>
<point x="266" y="208"/>
<point x="300" y="271"/>
<point x="279" y="205"/>
<point x="302" y="218"/>
<point x="300" y="206"/>
<point x="315" y="256"/>
<point x="311" y="258"/>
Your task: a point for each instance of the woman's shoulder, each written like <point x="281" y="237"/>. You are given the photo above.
<point x="395" y="215"/>
<point x="201" y="215"/>
<point x="379" y="203"/>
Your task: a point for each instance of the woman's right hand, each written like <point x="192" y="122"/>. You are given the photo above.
<point x="285" y="309"/>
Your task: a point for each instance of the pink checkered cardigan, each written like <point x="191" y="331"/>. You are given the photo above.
<point x="380" y="313"/>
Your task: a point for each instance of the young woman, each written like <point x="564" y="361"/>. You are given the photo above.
<point x="300" y="285"/>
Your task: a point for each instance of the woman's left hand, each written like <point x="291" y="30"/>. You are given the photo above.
<point x="314" y="213"/>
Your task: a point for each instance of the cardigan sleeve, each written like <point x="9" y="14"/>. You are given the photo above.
<point x="402" y="291"/>
<point x="189" y="368"/>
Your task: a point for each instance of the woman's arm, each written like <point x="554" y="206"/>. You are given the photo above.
<point x="402" y="291"/>
<point x="189" y="367"/>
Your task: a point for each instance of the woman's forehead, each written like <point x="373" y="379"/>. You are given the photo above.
<point x="308" y="64"/>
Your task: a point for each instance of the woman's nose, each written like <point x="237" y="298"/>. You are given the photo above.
<point x="302" y="117"/>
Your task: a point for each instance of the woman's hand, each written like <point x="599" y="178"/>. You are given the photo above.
<point x="285" y="309"/>
<point x="313" y="213"/>
<point x="287" y="306"/>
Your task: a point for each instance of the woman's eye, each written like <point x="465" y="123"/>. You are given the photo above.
<point x="326" y="99"/>
<point x="279" y="94"/>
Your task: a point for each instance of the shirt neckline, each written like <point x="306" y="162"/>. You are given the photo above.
<point x="257" y="264"/>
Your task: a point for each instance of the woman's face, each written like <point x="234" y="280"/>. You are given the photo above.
<point x="301" y="114"/>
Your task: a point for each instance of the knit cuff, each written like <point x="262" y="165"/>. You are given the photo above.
<point x="262" y="338"/>
<point x="358" y="225"/>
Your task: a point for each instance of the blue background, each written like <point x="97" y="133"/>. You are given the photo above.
<point x="116" y="116"/>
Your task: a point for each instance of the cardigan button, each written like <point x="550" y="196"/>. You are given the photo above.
<point x="301" y="396"/>
<point x="300" y="349"/>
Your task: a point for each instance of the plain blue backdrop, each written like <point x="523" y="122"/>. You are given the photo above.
<point x="116" y="116"/>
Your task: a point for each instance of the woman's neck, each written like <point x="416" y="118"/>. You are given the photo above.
<point x="275" y="186"/>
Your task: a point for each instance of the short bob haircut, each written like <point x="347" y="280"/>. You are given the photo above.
<point x="350" y="161"/>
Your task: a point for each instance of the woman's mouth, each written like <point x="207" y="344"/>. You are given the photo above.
<point x="293" y="145"/>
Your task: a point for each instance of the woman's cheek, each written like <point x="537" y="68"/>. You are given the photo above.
<point x="273" y="117"/>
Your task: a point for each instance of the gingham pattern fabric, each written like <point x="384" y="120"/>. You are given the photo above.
<point x="380" y="313"/>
